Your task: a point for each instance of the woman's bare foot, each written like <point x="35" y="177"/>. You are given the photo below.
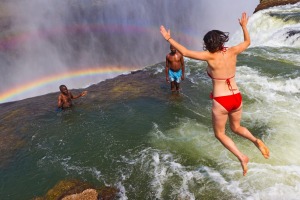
<point x="244" y="162"/>
<point x="263" y="148"/>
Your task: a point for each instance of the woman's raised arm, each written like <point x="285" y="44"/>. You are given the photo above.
<point x="199" y="55"/>
<point x="243" y="45"/>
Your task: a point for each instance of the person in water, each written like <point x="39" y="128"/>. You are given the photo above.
<point x="226" y="97"/>
<point x="65" y="97"/>
<point x="174" y="68"/>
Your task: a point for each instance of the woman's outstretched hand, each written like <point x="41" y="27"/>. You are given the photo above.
<point x="166" y="34"/>
<point x="244" y="20"/>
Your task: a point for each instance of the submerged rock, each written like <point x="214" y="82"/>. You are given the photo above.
<point x="9" y="145"/>
<point x="107" y="193"/>
<point x="11" y="131"/>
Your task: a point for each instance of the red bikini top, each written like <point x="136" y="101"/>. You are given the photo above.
<point x="224" y="49"/>
<point x="227" y="80"/>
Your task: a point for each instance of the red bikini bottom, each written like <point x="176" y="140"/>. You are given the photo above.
<point x="230" y="102"/>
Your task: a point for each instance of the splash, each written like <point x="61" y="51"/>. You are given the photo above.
<point x="10" y="94"/>
<point x="274" y="27"/>
<point x="13" y="40"/>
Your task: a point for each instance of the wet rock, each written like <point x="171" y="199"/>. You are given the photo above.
<point x="127" y="87"/>
<point x="89" y="194"/>
<point x="264" y="4"/>
<point x="78" y="190"/>
<point x="65" y="188"/>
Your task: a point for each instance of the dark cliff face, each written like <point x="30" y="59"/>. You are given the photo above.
<point x="264" y="4"/>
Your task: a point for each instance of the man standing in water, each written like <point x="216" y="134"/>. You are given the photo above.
<point x="174" y="68"/>
<point x="65" y="97"/>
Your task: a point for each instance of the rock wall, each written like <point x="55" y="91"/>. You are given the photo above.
<point x="270" y="3"/>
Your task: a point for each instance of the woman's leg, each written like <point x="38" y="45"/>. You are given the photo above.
<point x="219" y="118"/>
<point x="235" y="120"/>
<point x="235" y="125"/>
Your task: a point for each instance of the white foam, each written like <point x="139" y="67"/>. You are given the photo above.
<point x="264" y="176"/>
<point x="276" y="105"/>
<point x="267" y="30"/>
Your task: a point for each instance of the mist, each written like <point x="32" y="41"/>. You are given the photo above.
<point x="41" y="37"/>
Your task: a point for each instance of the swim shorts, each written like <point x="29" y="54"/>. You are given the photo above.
<point x="175" y="76"/>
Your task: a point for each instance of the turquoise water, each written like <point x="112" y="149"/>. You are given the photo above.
<point x="164" y="148"/>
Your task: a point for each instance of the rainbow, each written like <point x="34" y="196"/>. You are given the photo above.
<point x="38" y="83"/>
<point x="11" y="41"/>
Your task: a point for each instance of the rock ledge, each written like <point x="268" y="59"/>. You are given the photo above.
<point x="264" y="4"/>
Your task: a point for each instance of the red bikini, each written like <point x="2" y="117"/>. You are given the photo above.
<point x="230" y="102"/>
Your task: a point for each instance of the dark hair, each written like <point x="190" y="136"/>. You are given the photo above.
<point x="61" y="87"/>
<point x="214" y="40"/>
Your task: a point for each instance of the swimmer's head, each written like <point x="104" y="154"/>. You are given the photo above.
<point x="214" y="40"/>
<point x="173" y="49"/>
<point x="63" y="89"/>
